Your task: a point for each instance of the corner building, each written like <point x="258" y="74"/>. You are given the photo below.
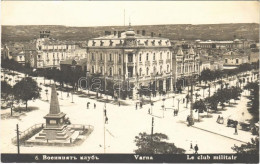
<point x="126" y="56"/>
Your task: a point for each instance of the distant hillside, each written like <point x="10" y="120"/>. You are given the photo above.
<point x="173" y="32"/>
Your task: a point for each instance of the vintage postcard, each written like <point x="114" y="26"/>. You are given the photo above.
<point x="130" y="81"/>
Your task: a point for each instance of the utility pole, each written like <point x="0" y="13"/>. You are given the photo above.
<point x="18" y="143"/>
<point x="191" y="121"/>
<point x="152" y="128"/>
<point x="104" y="118"/>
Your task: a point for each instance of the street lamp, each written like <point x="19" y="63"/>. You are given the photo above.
<point x="46" y="91"/>
<point x="163" y="107"/>
<point x="173" y="100"/>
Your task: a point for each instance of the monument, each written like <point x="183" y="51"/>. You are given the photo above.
<point x="56" y="128"/>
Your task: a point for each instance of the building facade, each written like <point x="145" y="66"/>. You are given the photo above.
<point x="46" y="52"/>
<point x="232" y="59"/>
<point x="186" y="63"/>
<point x="237" y="43"/>
<point x="139" y="59"/>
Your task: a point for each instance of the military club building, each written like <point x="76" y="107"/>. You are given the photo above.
<point x="139" y="59"/>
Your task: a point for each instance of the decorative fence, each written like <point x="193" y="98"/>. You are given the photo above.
<point x="28" y="133"/>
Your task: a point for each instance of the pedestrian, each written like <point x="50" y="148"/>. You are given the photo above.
<point x="94" y="105"/>
<point x="119" y="104"/>
<point x="141" y="105"/>
<point x="136" y="106"/>
<point x="191" y="147"/>
<point x="196" y="148"/>
<point x="149" y="111"/>
<point x="105" y="113"/>
<point x="106" y="121"/>
<point x="183" y="100"/>
<point x="88" y="105"/>
<point x="236" y="130"/>
<point x="68" y="94"/>
<point x="218" y="118"/>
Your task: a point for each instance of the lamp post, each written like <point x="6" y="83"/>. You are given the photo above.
<point x="173" y="100"/>
<point x="178" y="103"/>
<point x="191" y="121"/>
<point x="46" y="91"/>
<point x="163" y="107"/>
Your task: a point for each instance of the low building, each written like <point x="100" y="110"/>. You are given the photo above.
<point x="205" y="63"/>
<point x="237" y="43"/>
<point x="253" y="56"/>
<point x="232" y="59"/>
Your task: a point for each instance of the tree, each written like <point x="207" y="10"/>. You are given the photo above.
<point x="200" y="107"/>
<point x="6" y="90"/>
<point x="155" y="144"/>
<point x="254" y="97"/>
<point x="249" y="148"/>
<point x="26" y="89"/>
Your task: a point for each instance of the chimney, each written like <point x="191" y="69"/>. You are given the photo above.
<point x="160" y="35"/>
<point x="143" y="32"/>
<point x="151" y="34"/>
<point x="114" y="33"/>
<point x="138" y="32"/>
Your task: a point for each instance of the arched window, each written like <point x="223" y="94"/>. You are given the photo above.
<point x="119" y="71"/>
<point x="147" y="56"/>
<point x="101" y="70"/>
<point x="153" y="56"/>
<point x="110" y="71"/>
<point x="140" y="57"/>
<point x="140" y="72"/>
<point x="147" y="71"/>
<point x="167" y="68"/>
<point x="101" y="56"/>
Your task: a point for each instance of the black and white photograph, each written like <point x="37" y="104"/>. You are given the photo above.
<point x="129" y="81"/>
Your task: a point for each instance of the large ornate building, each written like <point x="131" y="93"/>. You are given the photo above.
<point x="186" y="63"/>
<point x="139" y="59"/>
<point x="46" y="52"/>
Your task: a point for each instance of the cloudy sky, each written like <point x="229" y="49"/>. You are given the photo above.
<point x="102" y="13"/>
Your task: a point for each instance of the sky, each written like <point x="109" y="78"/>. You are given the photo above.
<point x="102" y="13"/>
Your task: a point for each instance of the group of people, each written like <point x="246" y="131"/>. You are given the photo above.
<point x="141" y="105"/>
<point x="88" y="103"/>
<point x="196" y="148"/>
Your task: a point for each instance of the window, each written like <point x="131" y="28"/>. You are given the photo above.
<point x="161" y="56"/>
<point x="154" y="70"/>
<point x="101" y="70"/>
<point x="140" y="57"/>
<point x="101" y="56"/>
<point x="153" y="56"/>
<point x="226" y="61"/>
<point x="93" y="70"/>
<point x="167" y="68"/>
<point x="168" y="54"/>
<point x="237" y="61"/>
<point x="147" y="56"/>
<point x="119" y="71"/>
<point x="110" y="57"/>
<point x="119" y="58"/>
<point x="110" y="71"/>
<point x="93" y="58"/>
<point x="140" y="72"/>
<point x="130" y="57"/>
<point x="147" y="71"/>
